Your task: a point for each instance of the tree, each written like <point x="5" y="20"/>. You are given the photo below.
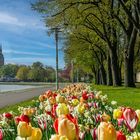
<point x="36" y="75"/>
<point x="9" y="70"/>
<point x="22" y="73"/>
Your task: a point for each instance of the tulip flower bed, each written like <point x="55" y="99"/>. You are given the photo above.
<point x="75" y="112"/>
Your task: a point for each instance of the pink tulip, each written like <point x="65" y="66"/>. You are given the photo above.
<point x="120" y="122"/>
<point x="130" y="118"/>
<point x="94" y="133"/>
<point x="1" y="135"/>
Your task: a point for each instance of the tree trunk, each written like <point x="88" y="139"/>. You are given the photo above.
<point x="129" y="60"/>
<point x="109" y="72"/>
<point x="98" y="77"/>
<point x="103" y="75"/>
<point x="115" y="67"/>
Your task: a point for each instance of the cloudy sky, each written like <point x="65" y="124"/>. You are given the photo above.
<point x="23" y="35"/>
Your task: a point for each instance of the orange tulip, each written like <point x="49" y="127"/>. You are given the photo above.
<point x="106" y="131"/>
<point x="41" y="98"/>
<point x="60" y="99"/>
<point x="105" y="117"/>
<point x="67" y="128"/>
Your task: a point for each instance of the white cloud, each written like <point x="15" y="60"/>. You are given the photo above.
<point x="8" y="18"/>
<point x="24" y="53"/>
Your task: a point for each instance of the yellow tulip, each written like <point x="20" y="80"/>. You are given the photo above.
<point x="81" y="108"/>
<point x="62" y="109"/>
<point x="117" y="113"/>
<point x="60" y="99"/>
<point x="106" y="131"/>
<point x="24" y="130"/>
<point x="138" y="114"/>
<point x="58" y="137"/>
<point x="75" y="102"/>
<point x="67" y="128"/>
<point x="36" y="134"/>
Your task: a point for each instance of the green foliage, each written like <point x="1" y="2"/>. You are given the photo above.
<point x="22" y="73"/>
<point x="94" y="30"/>
<point x="36" y="75"/>
<point x="8" y="70"/>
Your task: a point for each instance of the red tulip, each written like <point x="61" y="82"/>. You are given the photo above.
<point x="1" y="135"/>
<point x="17" y="119"/>
<point x="130" y="118"/>
<point x="120" y="136"/>
<point x="25" y="118"/>
<point x="52" y="113"/>
<point x="8" y="115"/>
<point x="84" y="95"/>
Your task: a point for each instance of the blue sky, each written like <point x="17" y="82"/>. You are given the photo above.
<point x="23" y="35"/>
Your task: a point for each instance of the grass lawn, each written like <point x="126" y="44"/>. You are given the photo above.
<point x="15" y="107"/>
<point x="124" y="96"/>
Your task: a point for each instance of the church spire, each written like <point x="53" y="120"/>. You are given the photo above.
<point x="1" y="56"/>
<point x="0" y="49"/>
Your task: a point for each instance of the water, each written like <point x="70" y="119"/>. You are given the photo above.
<point x="4" y="88"/>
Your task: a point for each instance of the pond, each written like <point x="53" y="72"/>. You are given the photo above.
<point x="4" y="88"/>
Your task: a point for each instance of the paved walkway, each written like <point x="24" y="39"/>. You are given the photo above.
<point x="7" y="99"/>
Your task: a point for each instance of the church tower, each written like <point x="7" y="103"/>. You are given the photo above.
<point x="1" y="57"/>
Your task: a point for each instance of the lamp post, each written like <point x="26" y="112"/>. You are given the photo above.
<point x="56" y="41"/>
<point x="56" y="30"/>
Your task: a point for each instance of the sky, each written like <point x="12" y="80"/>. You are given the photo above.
<point x="23" y="35"/>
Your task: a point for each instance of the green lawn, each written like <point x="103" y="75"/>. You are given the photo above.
<point x="124" y="96"/>
<point x="15" y="107"/>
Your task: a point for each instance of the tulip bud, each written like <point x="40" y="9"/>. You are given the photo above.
<point x="36" y="134"/>
<point x="106" y="131"/>
<point x="62" y="109"/>
<point x="117" y="114"/>
<point x="24" y="130"/>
